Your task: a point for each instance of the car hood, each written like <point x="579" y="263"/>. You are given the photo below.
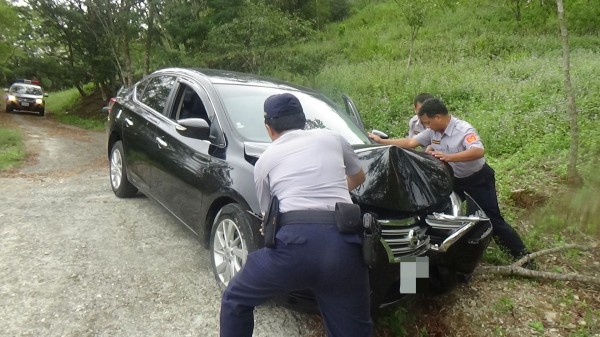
<point x="397" y="179"/>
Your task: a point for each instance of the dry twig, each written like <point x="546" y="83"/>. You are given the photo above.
<point x="517" y="267"/>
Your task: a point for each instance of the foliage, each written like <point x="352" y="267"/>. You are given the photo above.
<point x="245" y="42"/>
<point x="12" y="152"/>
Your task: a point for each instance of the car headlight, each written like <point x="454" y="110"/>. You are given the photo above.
<point x="39" y="101"/>
<point x="12" y="98"/>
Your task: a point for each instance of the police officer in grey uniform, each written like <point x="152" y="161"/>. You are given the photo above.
<point x="309" y="171"/>
<point x="414" y="124"/>
<point x="456" y="142"/>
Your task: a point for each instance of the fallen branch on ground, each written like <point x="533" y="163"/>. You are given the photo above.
<point x="517" y="267"/>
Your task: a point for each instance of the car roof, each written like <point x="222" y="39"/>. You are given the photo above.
<point x="26" y="85"/>
<point x="216" y="76"/>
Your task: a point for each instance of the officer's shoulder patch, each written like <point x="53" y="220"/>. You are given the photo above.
<point x="471" y="138"/>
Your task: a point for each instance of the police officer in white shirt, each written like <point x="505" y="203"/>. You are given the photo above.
<point x="309" y="171"/>
<point x="456" y="142"/>
<point x="414" y="124"/>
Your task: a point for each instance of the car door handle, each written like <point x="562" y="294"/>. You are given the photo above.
<point x="128" y="122"/>
<point x="161" y="142"/>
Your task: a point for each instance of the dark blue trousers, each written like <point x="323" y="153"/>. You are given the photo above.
<point x="307" y="256"/>
<point x="481" y="186"/>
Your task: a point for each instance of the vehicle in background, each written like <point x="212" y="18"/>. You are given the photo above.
<point x="25" y="95"/>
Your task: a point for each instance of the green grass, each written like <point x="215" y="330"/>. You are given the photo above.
<point x="12" y="151"/>
<point x="62" y="101"/>
<point x="81" y="122"/>
<point x="63" y="106"/>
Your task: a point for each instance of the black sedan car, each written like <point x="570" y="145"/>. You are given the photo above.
<point x="189" y="138"/>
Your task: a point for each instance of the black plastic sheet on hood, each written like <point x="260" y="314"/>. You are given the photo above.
<point x="402" y="180"/>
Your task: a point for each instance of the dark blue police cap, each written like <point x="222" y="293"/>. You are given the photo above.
<point x="282" y="105"/>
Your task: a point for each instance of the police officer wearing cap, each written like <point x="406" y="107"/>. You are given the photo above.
<point x="309" y="171"/>
<point x="456" y="142"/>
<point x="414" y="124"/>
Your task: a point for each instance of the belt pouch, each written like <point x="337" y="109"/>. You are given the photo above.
<point x="347" y="218"/>
<point x="271" y="222"/>
<point x="371" y="238"/>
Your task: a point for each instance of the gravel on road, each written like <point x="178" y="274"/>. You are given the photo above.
<point x="75" y="260"/>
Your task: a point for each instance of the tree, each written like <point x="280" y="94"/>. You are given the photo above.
<point x="573" y="176"/>
<point x="244" y="43"/>
<point x="415" y="13"/>
<point x="9" y="31"/>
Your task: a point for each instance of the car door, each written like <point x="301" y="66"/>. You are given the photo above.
<point x="184" y="170"/>
<point x="140" y="124"/>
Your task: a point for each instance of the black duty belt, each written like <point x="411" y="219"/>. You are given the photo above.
<point x="307" y="217"/>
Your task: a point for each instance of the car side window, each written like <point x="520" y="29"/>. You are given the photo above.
<point x="157" y="92"/>
<point x="139" y="90"/>
<point x="188" y="104"/>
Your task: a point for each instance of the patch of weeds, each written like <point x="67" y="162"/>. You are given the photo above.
<point x="499" y="331"/>
<point x="397" y="322"/>
<point x="537" y="326"/>
<point x="85" y="123"/>
<point x="504" y="305"/>
<point x="496" y="256"/>
<point x="12" y="151"/>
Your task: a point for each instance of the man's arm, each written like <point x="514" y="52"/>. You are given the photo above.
<point x="409" y="143"/>
<point x="355" y="180"/>
<point x="466" y="155"/>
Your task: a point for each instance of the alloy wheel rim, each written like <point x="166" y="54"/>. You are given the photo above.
<point x="229" y="250"/>
<point x="116" y="169"/>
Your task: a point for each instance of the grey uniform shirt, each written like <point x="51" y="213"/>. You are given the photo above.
<point x="415" y="126"/>
<point x="306" y="170"/>
<point x="458" y="136"/>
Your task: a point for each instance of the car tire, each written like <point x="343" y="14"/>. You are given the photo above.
<point x="9" y="110"/>
<point x="41" y="113"/>
<point x="119" y="181"/>
<point x="231" y="240"/>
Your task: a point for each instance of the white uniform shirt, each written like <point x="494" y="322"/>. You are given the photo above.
<point x="458" y="136"/>
<point x="415" y="126"/>
<point x="306" y="170"/>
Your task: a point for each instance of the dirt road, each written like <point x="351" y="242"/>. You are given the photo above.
<point x="77" y="261"/>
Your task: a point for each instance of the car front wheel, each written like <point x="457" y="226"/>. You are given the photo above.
<point x="118" y="175"/>
<point x="231" y="240"/>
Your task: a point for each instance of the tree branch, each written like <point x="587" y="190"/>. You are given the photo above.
<point x="517" y="269"/>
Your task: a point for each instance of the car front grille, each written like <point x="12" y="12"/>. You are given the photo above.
<point x="26" y="100"/>
<point x="403" y="238"/>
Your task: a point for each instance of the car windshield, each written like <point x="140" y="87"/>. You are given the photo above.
<point x="245" y="103"/>
<point x="26" y="89"/>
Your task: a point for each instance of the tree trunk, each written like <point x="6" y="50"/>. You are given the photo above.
<point x="573" y="176"/>
<point x="413" y="37"/>
<point x="149" y="36"/>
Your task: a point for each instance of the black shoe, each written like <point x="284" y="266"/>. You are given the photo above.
<point x="531" y="265"/>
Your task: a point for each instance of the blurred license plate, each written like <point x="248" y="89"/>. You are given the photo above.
<point x="25" y="104"/>
<point x="414" y="274"/>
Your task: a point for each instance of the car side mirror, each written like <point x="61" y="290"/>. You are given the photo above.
<point x="45" y="94"/>
<point x="196" y="128"/>
<point x="106" y="110"/>
<point x="381" y="134"/>
<point x="6" y="89"/>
